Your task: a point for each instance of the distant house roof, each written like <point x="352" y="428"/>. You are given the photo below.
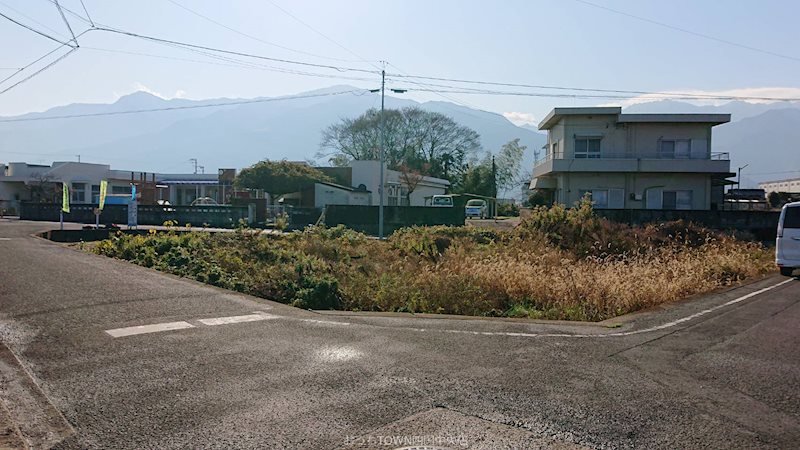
<point x="557" y="113"/>
<point x="339" y="186"/>
<point x="188" y="182"/>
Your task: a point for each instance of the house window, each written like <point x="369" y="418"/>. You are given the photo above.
<point x="675" y="148"/>
<point x="78" y="193"/>
<point x="676" y="200"/>
<point x="605" y="198"/>
<point x="555" y="150"/>
<point x="587" y="148"/>
<point x="403" y="200"/>
<point x="120" y="190"/>
<point x="95" y="193"/>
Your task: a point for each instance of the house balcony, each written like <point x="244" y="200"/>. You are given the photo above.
<point x="628" y="162"/>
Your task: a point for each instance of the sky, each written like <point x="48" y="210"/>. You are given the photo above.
<point x="566" y="43"/>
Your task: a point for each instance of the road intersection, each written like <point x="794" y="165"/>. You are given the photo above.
<point x="122" y="356"/>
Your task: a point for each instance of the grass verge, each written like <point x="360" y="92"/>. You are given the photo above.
<point x="557" y="264"/>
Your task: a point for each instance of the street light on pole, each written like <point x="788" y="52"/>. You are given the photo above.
<point x="382" y="150"/>
<point x="739" y="177"/>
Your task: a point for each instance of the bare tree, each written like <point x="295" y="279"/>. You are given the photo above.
<point x="411" y="178"/>
<point x="42" y="188"/>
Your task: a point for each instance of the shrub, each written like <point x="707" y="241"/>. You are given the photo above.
<point x="558" y="264"/>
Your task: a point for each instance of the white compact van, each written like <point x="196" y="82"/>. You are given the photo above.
<point x="787" y="245"/>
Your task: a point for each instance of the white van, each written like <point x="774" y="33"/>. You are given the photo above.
<point x="787" y="245"/>
<point x="442" y="201"/>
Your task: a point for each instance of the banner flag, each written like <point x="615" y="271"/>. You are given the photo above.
<point x="133" y="191"/>
<point x="103" y="190"/>
<point x="65" y="198"/>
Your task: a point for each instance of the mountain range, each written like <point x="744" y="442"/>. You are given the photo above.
<point x="765" y="136"/>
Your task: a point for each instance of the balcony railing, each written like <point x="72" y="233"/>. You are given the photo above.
<point x="717" y="156"/>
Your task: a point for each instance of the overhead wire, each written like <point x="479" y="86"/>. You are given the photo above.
<point x="183" y="107"/>
<point x="20" y="13"/>
<point x="87" y="13"/>
<point x="255" y="38"/>
<point x="27" y="27"/>
<point x="684" y="30"/>
<point x="582" y="89"/>
<point x="66" y="22"/>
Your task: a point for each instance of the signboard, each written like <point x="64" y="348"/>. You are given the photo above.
<point x="133" y="213"/>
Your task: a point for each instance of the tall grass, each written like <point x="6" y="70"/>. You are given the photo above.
<point x="558" y="264"/>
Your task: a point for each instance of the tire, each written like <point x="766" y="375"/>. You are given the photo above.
<point x="787" y="271"/>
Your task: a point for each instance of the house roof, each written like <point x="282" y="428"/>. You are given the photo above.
<point x="339" y="186"/>
<point x="557" y="113"/>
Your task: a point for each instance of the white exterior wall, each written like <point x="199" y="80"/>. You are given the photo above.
<point x="368" y="174"/>
<point x="569" y="186"/>
<point x="792" y="186"/>
<point x="331" y="195"/>
<point x="640" y="140"/>
<point x="629" y="159"/>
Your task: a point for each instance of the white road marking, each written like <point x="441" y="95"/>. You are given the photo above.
<point x="327" y="322"/>
<point x="257" y="316"/>
<point x="4" y="239"/>
<point x="152" y="328"/>
<point x="619" y="334"/>
<point x="236" y="319"/>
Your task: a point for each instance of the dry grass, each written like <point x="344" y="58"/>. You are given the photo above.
<point x="558" y="264"/>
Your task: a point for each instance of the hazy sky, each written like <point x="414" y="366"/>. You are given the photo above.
<point x="559" y="43"/>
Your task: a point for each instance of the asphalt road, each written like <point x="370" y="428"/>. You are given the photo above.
<point x="722" y="371"/>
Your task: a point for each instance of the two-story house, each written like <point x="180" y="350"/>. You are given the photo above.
<point x="632" y="161"/>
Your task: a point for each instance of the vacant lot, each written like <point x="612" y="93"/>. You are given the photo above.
<point x="558" y="264"/>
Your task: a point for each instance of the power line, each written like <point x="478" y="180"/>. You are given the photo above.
<point x="40" y="33"/>
<point x="693" y="33"/>
<point x="457" y="90"/>
<point x="87" y="14"/>
<point x="72" y="50"/>
<point x="21" y="69"/>
<point x="233" y="63"/>
<point x="361" y="58"/>
<point x="174" y="108"/>
<point x="231" y="52"/>
<point x="581" y="89"/>
<point x="58" y="33"/>
<point x="66" y="22"/>
<point x="255" y="38"/>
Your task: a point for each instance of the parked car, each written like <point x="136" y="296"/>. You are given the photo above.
<point x="204" y="201"/>
<point x="442" y="201"/>
<point x="787" y="244"/>
<point x="476" y="208"/>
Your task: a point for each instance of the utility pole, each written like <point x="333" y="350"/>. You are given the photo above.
<point x="383" y="157"/>
<point x="79" y="158"/>
<point x="494" y="188"/>
<point x="383" y="146"/>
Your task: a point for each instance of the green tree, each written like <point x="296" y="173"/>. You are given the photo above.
<point x="774" y="199"/>
<point x="428" y="142"/>
<point x="493" y="174"/>
<point x="508" y="163"/>
<point x="279" y="177"/>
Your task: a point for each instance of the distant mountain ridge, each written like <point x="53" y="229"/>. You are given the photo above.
<point x="230" y="136"/>
<point x="765" y="136"/>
